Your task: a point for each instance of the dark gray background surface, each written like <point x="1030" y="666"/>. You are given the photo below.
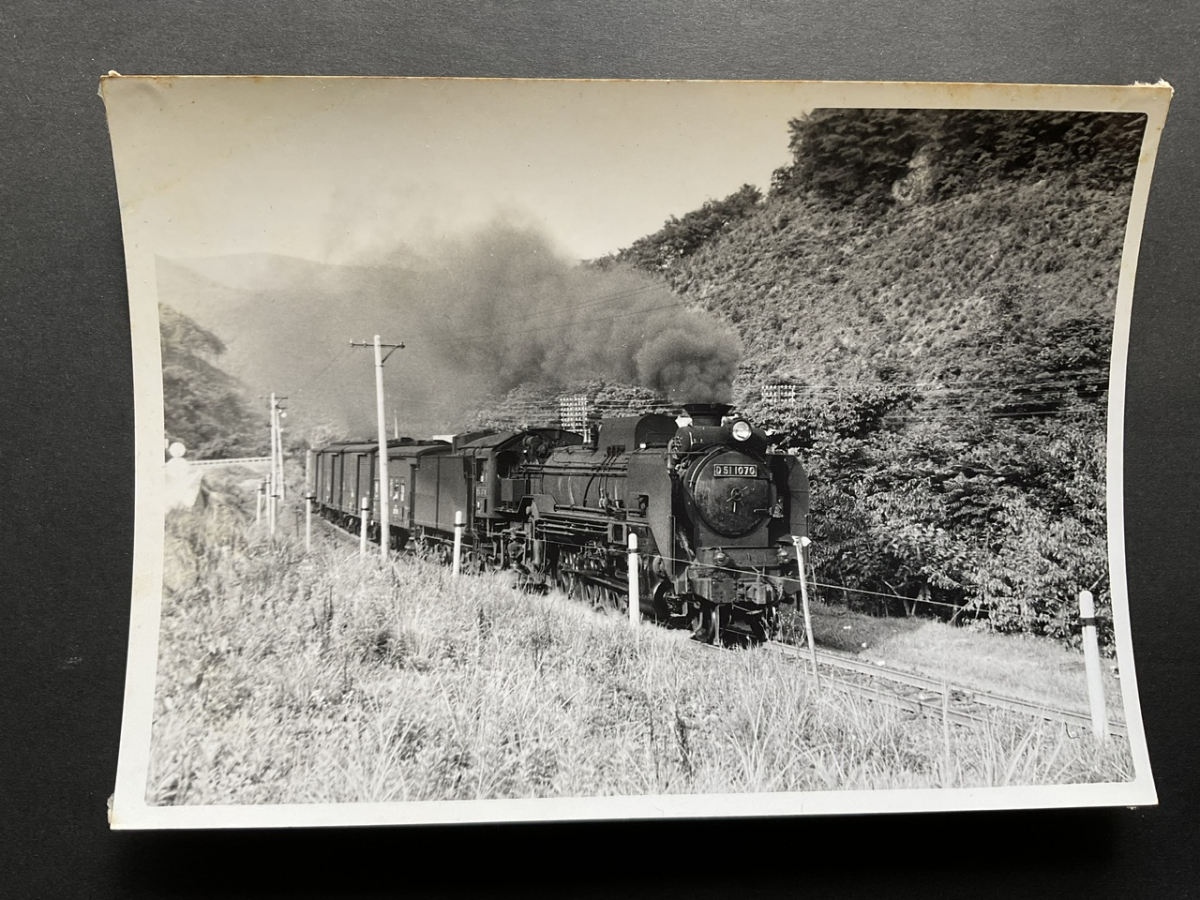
<point x="66" y="458"/>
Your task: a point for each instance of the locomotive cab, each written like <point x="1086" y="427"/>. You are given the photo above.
<point x="497" y="463"/>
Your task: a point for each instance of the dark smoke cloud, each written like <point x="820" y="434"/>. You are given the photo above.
<point x="515" y="312"/>
<point x="688" y="361"/>
<point x="480" y="316"/>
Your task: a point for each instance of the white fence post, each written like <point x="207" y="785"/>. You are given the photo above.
<point x="272" y="506"/>
<point x="308" y="500"/>
<point x="801" y="543"/>
<point x="1091" y="658"/>
<point x="364" y="508"/>
<point x="635" y="591"/>
<point x="262" y="489"/>
<point x="460" y="521"/>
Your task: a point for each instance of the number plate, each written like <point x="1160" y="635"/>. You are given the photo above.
<point x="723" y="470"/>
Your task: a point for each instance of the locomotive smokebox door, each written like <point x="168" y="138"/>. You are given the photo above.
<point x="731" y="492"/>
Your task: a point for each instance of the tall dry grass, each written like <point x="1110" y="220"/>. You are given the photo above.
<point x="287" y="676"/>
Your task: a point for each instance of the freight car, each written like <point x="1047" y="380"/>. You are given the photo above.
<point x="716" y="514"/>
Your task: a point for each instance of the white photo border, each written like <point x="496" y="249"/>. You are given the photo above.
<point x="128" y="807"/>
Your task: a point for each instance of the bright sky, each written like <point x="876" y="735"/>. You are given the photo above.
<point x="345" y="170"/>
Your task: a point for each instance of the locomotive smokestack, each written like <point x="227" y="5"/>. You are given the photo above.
<point x="706" y="413"/>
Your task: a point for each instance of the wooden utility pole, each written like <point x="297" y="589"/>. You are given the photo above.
<point x="272" y="482"/>
<point x="276" y="492"/>
<point x="385" y="509"/>
<point x="278" y="414"/>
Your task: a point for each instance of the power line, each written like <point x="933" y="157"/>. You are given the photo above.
<point x="539" y="314"/>
<point x="595" y="301"/>
<point x="926" y="388"/>
<point x="335" y="358"/>
<point x="573" y="324"/>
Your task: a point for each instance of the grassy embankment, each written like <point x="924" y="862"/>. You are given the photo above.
<point x="287" y="676"/>
<point x="1025" y="667"/>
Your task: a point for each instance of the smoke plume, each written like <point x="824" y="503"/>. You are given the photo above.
<point x="513" y="312"/>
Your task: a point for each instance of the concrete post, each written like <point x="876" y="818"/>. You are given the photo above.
<point x="801" y="544"/>
<point x="635" y="591"/>
<point x="1091" y="659"/>
<point x="364" y="510"/>
<point x="460" y="521"/>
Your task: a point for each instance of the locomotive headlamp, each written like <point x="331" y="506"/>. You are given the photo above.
<point x="741" y="431"/>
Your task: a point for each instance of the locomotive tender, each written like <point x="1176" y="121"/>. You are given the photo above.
<point x="715" y="513"/>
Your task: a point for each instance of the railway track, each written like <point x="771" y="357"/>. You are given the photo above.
<point x="916" y="693"/>
<point x="924" y="695"/>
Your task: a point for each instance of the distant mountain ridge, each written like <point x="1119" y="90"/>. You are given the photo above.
<point x="243" y="295"/>
<point x="283" y="320"/>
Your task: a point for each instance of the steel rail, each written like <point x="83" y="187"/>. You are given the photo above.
<point x="959" y="699"/>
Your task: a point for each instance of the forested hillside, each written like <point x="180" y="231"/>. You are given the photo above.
<point x="205" y="408"/>
<point x="895" y="236"/>
<point x="926" y="300"/>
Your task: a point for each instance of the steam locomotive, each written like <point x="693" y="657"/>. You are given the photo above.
<point x="715" y="513"/>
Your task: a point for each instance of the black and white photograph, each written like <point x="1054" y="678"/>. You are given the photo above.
<point x="521" y="450"/>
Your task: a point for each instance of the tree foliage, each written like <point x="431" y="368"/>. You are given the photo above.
<point x="204" y="407"/>
<point x="680" y="237"/>
<point x="973" y="515"/>
<point x="865" y="156"/>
